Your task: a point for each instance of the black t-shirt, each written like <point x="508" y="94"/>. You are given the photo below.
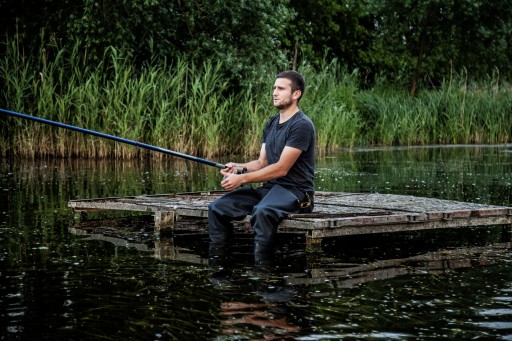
<point x="298" y="132"/>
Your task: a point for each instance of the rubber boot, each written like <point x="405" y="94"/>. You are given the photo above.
<point x="263" y="253"/>
<point x="219" y="255"/>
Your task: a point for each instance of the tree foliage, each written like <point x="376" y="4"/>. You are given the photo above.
<point x="433" y="38"/>
<point x="407" y="41"/>
<point x="328" y="29"/>
<point x="243" y="34"/>
<point x="410" y="43"/>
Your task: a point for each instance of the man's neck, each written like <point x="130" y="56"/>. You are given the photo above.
<point x="286" y="114"/>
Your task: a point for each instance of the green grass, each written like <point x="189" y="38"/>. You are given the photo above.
<point x="193" y="109"/>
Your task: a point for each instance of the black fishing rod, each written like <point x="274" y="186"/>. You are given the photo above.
<point x="115" y="138"/>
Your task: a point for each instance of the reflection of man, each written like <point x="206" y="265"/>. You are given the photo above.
<point x="285" y="167"/>
<point x="266" y="302"/>
<point x="257" y="314"/>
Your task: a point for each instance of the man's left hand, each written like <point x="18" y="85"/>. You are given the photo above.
<point x="231" y="181"/>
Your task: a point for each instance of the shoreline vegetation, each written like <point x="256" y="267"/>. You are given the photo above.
<point x="193" y="109"/>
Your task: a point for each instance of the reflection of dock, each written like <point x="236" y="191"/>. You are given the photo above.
<point x="321" y="271"/>
<point x="437" y="262"/>
<point x="160" y="248"/>
<point x="336" y="214"/>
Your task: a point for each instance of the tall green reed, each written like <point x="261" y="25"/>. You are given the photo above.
<point x="193" y="109"/>
<point x="16" y="76"/>
<point x="329" y="100"/>
<point x="456" y="112"/>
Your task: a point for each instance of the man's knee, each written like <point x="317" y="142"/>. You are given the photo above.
<point x="218" y="210"/>
<point x="212" y="206"/>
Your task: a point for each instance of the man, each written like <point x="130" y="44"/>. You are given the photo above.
<point x="285" y="168"/>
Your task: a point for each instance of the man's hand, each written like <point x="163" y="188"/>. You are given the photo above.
<point x="230" y="168"/>
<point x="231" y="180"/>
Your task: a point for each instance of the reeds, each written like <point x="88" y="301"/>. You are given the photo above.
<point x="183" y="107"/>
<point x="193" y="109"/>
<point x="329" y="100"/>
<point x="455" y="113"/>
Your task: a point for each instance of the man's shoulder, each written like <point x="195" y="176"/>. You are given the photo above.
<point x="272" y="119"/>
<point x="303" y="119"/>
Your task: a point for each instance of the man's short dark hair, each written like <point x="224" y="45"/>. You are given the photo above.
<point x="298" y="82"/>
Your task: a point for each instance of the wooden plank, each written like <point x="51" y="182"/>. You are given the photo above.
<point x="192" y="212"/>
<point x="403" y="227"/>
<point x="336" y="214"/>
<point x="325" y="223"/>
<point x="164" y="220"/>
<point x="404" y="203"/>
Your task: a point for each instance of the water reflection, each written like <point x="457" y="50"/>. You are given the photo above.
<point x="479" y="174"/>
<point x="118" y="280"/>
<point x="278" y="299"/>
<point x="342" y="263"/>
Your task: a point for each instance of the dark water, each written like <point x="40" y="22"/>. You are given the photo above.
<point x="117" y="280"/>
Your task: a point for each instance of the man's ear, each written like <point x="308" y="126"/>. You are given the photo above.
<point x="296" y="94"/>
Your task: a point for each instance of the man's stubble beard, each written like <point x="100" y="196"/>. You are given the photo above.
<point x="283" y="106"/>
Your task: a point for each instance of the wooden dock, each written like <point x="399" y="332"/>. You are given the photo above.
<point x="336" y="214"/>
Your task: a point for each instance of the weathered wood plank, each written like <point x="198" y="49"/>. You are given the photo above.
<point x="336" y="214"/>
<point x="404" y="227"/>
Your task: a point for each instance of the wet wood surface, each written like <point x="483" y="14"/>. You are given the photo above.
<point x="335" y="214"/>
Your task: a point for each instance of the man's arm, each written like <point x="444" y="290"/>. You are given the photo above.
<point x="251" y="166"/>
<point x="260" y="171"/>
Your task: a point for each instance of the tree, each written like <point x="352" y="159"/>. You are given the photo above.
<point x="328" y="29"/>
<point x="411" y="43"/>
<point x="243" y="34"/>
<point x="404" y="42"/>
<point x="430" y="38"/>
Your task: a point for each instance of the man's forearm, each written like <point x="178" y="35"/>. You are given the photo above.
<point x="251" y="166"/>
<point x="271" y="172"/>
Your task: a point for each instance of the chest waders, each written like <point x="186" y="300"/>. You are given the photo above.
<point x="267" y="208"/>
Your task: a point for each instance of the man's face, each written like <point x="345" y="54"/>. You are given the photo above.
<point x="282" y="95"/>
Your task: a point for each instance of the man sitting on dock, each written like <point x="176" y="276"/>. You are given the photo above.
<point x="285" y="168"/>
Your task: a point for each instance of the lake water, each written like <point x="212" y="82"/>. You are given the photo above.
<point x="117" y="280"/>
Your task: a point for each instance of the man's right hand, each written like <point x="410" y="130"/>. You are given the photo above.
<point x="230" y="168"/>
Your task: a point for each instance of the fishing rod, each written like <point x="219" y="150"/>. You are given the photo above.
<point x="115" y="138"/>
